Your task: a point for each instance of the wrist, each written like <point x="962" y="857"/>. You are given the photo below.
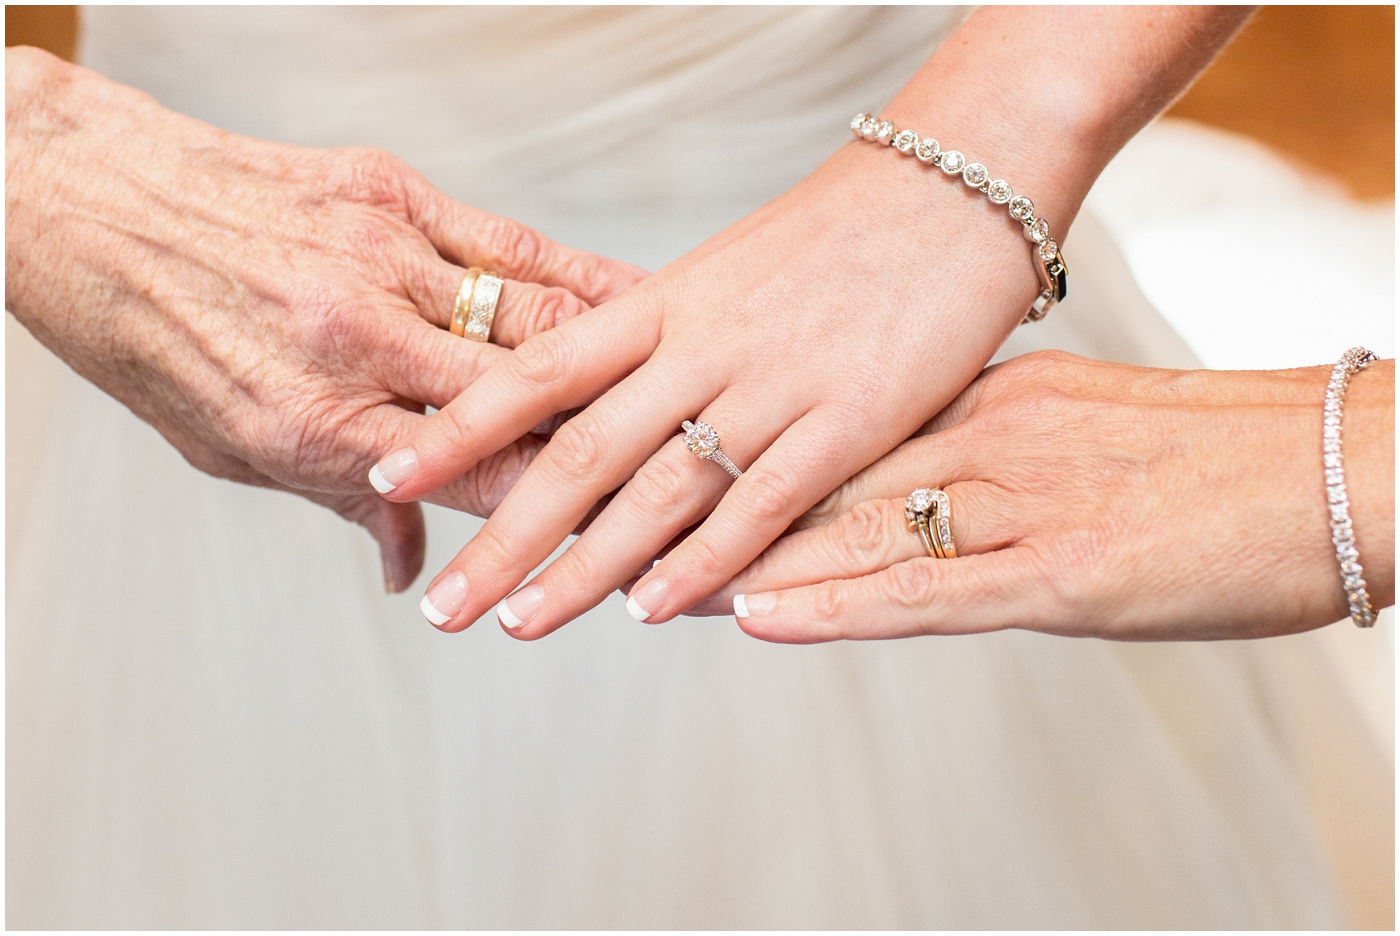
<point x="1368" y="450"/>
<point x="1046" y="96"/>
<point x="1046" y="147"/>
<point x="36" y="114"/>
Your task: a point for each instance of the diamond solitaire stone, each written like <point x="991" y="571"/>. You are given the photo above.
<point x="884" y="132"/>
<point x="953" y="162"/>
<point x="701" y="438"/>
<point x="1048" y="250"/>
<point x="856" y="123"/>
<point x="974" y="174"/>
<point x="999" y="192"/>
<point x="919" y="501"/>
<point x="926" y="150"/>
<point x="1021" y="208"/>
<point x="1040" y="230"/>
<point x="867" y="127"/>
<point x="904" y="141"/>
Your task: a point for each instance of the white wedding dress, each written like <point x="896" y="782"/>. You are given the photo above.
<point x="215" y="718"/>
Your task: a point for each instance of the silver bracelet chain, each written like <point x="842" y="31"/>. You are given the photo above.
<point x="1343" y="538"/>
<point x="1048" y="262"/>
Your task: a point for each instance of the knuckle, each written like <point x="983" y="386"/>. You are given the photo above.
<point x="576" y="449"/>
<point x="543" y="360"/>
<point x="661" y="486"/>
<point x="860" y="535"/>
<point x="767" y="499"/>
<point x="912" y="584"/>
<point x="548" y="308"/>
<point x="368" y="174"/>
<point x="828" y="602"/>
<point x="578" y="565"/>
<point x="490" y="549"/>
<point x="705" y="561"/>
<point x="596" y="277"/>
<point x="516" y="248"/>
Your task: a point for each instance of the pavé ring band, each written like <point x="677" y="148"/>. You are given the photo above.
<point x="475" y="307"/>
<point x="703" y="442"/>
<point x="931" y="516"/>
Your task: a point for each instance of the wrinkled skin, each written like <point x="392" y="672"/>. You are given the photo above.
<point x="1095" y="499"/>
<point x="277" y="313"/>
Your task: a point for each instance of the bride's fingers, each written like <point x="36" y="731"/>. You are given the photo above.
<point x="813" y="456"/>
<point x="590" y="456"/>
<point x="672" y="490"/>
<point x="867" y="538"/>
<point x="553" y="371"/>
<point x="1006" y="588"/>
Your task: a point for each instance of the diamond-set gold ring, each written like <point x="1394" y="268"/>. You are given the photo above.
<point x="931" y="516"/>
<point x="475" y="308"/>
<point x="703" y="442"/>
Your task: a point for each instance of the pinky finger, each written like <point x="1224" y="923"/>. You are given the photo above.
<point x="967" y="595"/>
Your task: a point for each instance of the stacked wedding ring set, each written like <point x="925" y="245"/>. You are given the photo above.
<point x="475" y="307"/>
<point x="930" y="514"/>
<point x="1049" y="264"/>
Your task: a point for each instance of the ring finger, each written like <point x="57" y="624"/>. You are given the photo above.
<point x="522" y="310"/>
<point x="674" y="489"/>
<point x="871" y="536"/>
<point x="590" y="456"/>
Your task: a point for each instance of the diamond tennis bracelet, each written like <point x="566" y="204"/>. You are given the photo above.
<point x="1046" y="254"/>
<point x="1358" y="601"/>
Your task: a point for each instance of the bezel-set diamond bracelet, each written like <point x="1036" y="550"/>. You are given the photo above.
<point x="1049" y="264"/>
<point x="1343" y="538"/>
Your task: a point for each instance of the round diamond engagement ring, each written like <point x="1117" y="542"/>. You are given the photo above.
<point x="703" y="442"/>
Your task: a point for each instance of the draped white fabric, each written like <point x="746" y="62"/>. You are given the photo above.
<point x="216" y="719"/>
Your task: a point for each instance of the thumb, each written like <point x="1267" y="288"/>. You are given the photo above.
<point x="399" y="530"/>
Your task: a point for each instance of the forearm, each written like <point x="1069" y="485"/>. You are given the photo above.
<point x="1045" y="96"/>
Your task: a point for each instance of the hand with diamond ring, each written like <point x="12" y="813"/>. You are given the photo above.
<point x="275" y="312"/>
<point x="812" y="336"/>
<point x="1093" y="499"/>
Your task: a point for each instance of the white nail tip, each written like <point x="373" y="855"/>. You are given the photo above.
<point x="434" y="616"/>
<point x="741" y="607"/>
<point x="655" y="563"/>
<point x="507" y="616"/>
<point x="382" y="485"/>
<point x="636" y="610"/>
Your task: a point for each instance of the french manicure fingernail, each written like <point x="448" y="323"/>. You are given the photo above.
<point x="754" y="605"/>
<point x="516" y="610"/>
<point x="650" y="595"/>
<point x="393" y="469"/>
<point x="444" y="599"/>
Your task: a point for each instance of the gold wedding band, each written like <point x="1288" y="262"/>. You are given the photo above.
<point x="930" y="514"/>
<point x="475" y="308"/>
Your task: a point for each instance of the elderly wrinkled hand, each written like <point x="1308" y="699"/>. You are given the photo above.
<point x="1095" y="499"/>
<point x="275" y="312"/>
